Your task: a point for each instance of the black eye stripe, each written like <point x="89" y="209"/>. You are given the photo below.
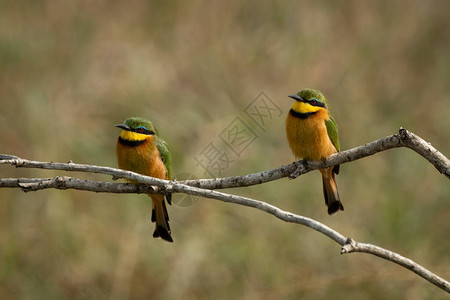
<point x="315" y="102"/>
<point x="143" y="130"/>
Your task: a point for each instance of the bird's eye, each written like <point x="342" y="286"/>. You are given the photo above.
<point x="140" y="129"/>
<point x="313" y="101"/>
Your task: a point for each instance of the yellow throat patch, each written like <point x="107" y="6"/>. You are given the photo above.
<point x="303" y="108"/>
<point x="133" y="136"/>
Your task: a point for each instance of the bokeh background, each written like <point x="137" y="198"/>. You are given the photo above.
<point x="70" y="70"/>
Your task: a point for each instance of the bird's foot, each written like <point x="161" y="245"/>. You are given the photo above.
<point x="302" y="166"/>
<point x="115" y="177"/>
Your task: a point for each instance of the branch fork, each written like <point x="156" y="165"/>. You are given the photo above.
<point x="206" y="188"/>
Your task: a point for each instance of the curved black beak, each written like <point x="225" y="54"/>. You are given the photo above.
<point x="297" y="98"/>
<point x="123" y="126"/>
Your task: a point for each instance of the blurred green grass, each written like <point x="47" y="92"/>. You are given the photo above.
<point x="70" y="71"/>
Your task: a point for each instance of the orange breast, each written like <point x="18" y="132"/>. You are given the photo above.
<point x="308" y="138"/>
<point x="143" y="159"/>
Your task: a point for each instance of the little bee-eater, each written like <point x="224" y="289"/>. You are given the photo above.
<point x="312" y="134"/>
<point x="139" y="149"/>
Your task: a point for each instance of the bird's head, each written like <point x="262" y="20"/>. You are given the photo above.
<point x="309" y="101"/>
<point x="137" y="129"/>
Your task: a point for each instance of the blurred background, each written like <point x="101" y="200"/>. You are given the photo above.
<point x="203" y="71"/>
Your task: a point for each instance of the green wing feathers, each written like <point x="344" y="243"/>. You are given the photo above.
<point x="332" y="130"/>
<point x="164" y="153"/>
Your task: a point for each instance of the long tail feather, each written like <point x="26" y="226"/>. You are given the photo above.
<point x="161" y="218"/>
<point x="330" y="192"/>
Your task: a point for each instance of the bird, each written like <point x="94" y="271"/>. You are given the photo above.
<point x="312" y="134"/>
<point x="140" y="149"/>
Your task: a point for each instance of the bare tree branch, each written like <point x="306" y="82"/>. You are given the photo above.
<point x="403" y="139"/>
<point x="353" y="246"/>
<point x="198" y="188"/>
<point x="348" y="244"/>
<point x="65" y="183"/>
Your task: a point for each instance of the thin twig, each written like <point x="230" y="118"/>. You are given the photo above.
<point x="348" y="245"/>
<point x="197" y="187"/>
<point x="353" y="246"/>
<point x="65" y="183"/>
<point x="403" y="139"/>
